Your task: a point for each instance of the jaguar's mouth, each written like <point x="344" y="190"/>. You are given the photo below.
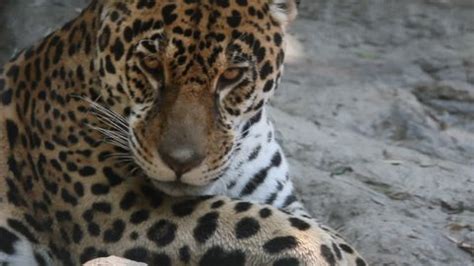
<point x="180" y="189"/>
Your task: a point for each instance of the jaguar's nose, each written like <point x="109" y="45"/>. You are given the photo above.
<point x="181" y="160"/>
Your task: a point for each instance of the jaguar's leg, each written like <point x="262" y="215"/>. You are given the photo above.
<point x="220" y="231"/>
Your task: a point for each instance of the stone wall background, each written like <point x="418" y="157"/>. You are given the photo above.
<point x="376" y="114"/>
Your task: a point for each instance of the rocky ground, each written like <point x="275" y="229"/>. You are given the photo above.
<point x="376" y="113"/>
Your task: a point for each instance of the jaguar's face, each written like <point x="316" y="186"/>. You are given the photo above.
<point x="194" y="73"/>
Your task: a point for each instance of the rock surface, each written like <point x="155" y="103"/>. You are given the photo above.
<point x="376" y="113"/>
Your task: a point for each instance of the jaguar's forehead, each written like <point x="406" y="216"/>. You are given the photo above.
<point x="184" y="5"/>
<point x="197" y="19"/>
<point x="199" y="33"/>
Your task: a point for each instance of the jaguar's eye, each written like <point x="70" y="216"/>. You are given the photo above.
<point x="152" y="66"/>
<point x="231" y="76"/>
<point x="150" y="63"/>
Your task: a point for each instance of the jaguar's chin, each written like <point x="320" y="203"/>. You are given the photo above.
<point x="179" y="189"/>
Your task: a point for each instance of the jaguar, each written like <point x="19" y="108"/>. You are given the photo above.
<point x="139" y="129"/>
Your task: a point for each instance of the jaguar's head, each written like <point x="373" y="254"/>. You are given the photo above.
<point x="186" y="77"/>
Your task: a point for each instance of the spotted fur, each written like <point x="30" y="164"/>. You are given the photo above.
<point x="115" y="126"/>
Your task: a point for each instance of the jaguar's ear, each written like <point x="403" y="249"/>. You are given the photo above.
<point x="284" y="11"/>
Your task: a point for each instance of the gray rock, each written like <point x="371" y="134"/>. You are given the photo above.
<point x="469" y="67"/>
<point x="375" y="113"/>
